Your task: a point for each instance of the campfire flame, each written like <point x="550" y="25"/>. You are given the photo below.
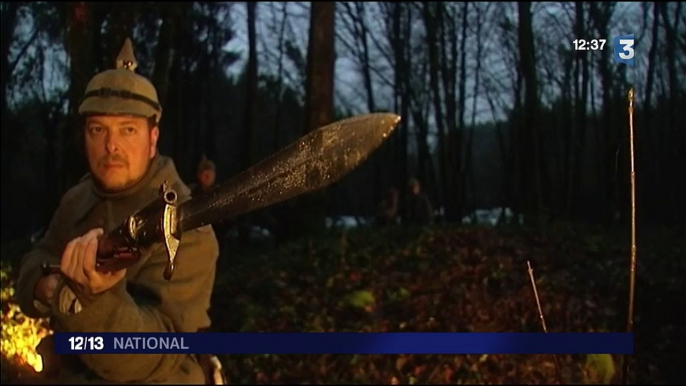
<point x="20" y="334"/>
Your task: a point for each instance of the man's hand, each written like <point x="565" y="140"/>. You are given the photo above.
<point x="78" y="264"/>
<point x="45" y="288"/>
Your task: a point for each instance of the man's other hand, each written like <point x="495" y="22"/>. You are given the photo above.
<point x="45" y="288"/>
<point x="78" y="264"/>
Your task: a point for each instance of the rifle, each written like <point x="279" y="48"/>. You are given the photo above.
<point x="315" y="161"/>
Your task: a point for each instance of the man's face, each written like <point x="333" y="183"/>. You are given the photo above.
<point x="206" y="177"/>
<point x="119" y="149"/>
<point x="414" y="188"/>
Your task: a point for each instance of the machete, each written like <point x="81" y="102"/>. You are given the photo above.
<point x="315" y="161"/>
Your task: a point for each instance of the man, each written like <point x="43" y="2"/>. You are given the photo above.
<point x="205" y="176"/>
<point x="122" y="113"/>
<point x="418" y="208"/>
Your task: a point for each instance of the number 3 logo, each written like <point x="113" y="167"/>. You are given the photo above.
<point x="627" y="49"/>
<point x="624" y="49"/>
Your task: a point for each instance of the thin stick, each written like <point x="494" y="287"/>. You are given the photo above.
<point x="632" y="267"/>
<point x="540" y="315"/>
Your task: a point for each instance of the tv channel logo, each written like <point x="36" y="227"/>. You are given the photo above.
<point x="624" y="49"/>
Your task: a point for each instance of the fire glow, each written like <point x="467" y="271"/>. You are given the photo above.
<point x="20" y="334"/>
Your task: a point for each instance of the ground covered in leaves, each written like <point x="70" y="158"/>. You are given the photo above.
<point x="462" y="279"/>
<point x="457" y="280"/>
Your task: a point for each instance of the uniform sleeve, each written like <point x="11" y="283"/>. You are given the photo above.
<point x="147" y="304"/>
<point x="49" y="249"/>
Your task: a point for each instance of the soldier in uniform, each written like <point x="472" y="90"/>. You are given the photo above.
<point x="121" y="115"/>
<point x="205" y="176"/>
<point x="418" y="208"/>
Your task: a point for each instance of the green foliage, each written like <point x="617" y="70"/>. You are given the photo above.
<point x="600" y="368"/>
<point x="360" y="299"/>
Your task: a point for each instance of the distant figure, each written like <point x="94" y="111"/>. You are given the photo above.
<point x="205" y="176"/>
<point x="387" y="210"/>
<point x="418" y="208"/>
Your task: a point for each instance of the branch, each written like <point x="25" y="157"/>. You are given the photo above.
<point x="23" y="50"/>
<point x="540" y="315"/>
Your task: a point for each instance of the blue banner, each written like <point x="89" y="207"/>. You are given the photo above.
<point x="345" y="343"/>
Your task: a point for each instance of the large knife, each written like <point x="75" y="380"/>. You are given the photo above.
<point x="315" y="161"/>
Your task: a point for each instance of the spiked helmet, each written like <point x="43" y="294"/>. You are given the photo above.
<point x="121" y="91"/>
<point x="205" y="164"/>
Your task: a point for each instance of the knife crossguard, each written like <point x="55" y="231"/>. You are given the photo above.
<point x="170" y="228"/>
<point x="157" y="222"/>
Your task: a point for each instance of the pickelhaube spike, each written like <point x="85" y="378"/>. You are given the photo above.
<point x="126" y="58"/>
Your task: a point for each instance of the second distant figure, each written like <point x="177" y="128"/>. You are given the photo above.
<point x="387" y="210"/>
<point x="418" y="209"/>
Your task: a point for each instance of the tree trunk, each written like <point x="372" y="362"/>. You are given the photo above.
<point x="528" y="138"/>
<point x="80" y="50"/>
<point x="164" y="53"/>
<point x="9" y="23"/>
<point x="320" y="65"/>
<point x="600" y="15"/>
<point x="476" y="91"/>
<point x="279" y="106"/>
<point x="652" y="175"/>
<point x="400" y="44"/>
<point x="673" y="123"/>
<point x="319" y="99"/>
<point x="361" y="34"/>
<point x="251" y="101"/>
<point x="579" y="133"/>
<point x="460" y="152"/>
<point x="433" y="30"/>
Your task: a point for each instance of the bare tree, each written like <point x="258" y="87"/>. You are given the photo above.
<point x="251" y="87"/>
<point x="671" y="39"/>
<point x="600" y="14"/>
<point x="458" y="187"/>
<point x="251" y="101"/>
<point x="320" y="65"/>
<point x="397" y="22"/>
<point x="319" y="97"/>
<point x="530" y="176"/>
<point x="280" y="73"/>
<point x="433" y="24"/>
<point x="164" y="51"/>
<point x="81" y="59"/>
<point x="578" y="130"/>
<point x="354" y="21"/>
<point x="482" y="10"/>
<point x="10" y="16"/>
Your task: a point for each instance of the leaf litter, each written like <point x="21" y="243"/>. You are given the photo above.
<point x="450" y="280"/>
